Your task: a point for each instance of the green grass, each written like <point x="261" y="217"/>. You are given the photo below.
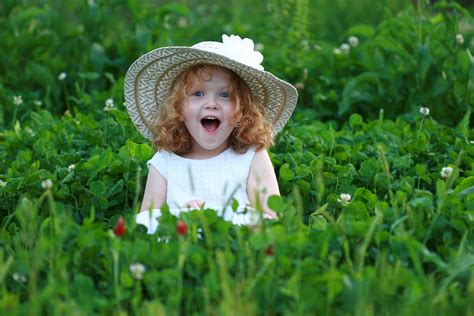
<point x="400" y="245"/>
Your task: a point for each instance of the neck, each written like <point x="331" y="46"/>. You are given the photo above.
<point x="197" y="152"/>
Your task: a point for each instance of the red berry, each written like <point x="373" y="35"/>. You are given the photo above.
<point x="119" y="229"/>
<point x="269" y="251"/>
<point x="181" y="228"/>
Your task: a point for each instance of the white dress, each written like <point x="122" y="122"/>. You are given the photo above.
<point x="217" y="181"/>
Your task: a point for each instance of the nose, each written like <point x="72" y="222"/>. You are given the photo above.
<point x="211" y="103"/>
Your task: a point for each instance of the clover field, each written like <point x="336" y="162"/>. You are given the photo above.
<point x="376" y="166"/>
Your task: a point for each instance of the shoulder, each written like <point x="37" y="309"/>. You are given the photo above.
<point x="161" y="153"/>
<point x="244" y="157"/>
<point x="262" y="181"/>
<point x="261" y="169"/>
<point x="261" y="159"/>
<point x="159" y="156"/>
<point x="160" y="162"/>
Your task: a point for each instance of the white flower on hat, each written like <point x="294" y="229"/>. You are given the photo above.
<point x="344" y="198"/>
<point x="17" y="100"/>
<point x="424" y="111"/>
<point x="459" y="39"/>
<point x="446" y="172"/>
<point x="353" y="41"/>
<point x="241" y="50"/>
<point x="137" y="270"/>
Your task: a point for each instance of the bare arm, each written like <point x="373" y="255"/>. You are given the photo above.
<point x="262" y="182"/>
<point x="155" y="190"/>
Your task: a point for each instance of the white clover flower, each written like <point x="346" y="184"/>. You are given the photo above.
<point x="299" y="85"/>
<point x="38" y="102"/>
<point x="166" y="22"/>
<point x="71" y="168"/>
<point x="424" y="111"/>
<point x="67" y="113"/>
<point x="459" y="39"/>
<point x="472" y="141"/>
<point x="17" y="100"/>
<point x="446" y="172"/>
<point x="305" y="45"/>
<point x="259" y="47"/>
<point x="62" y="76"/>
<point x="337" y="51"/>
<point x="47" y="184"/>
<point x="18" y="277"/>
<point x="182" y="22"/>
<point x="353" y="41"/>
<point x="3" y="184"/>
<point x="345" y="48"/>
<point x="344" y="198"/>
<point x="109" y="105"/>
<point x="137" y="270"/>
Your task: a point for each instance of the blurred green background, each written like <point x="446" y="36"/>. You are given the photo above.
<point x="399" y="58"/>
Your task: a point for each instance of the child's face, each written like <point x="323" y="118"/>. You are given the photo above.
<point x="208" y="110"/>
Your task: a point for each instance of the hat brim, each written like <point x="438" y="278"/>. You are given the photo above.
<point x="148" y="83"/>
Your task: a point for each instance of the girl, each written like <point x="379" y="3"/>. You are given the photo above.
<point x="211" y="111"/>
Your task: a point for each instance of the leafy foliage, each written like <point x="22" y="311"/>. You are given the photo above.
<point x="406" y="229"/>
<point x="403" y="60"/>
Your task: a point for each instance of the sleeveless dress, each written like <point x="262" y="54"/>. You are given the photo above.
<point x="217" y="181"/>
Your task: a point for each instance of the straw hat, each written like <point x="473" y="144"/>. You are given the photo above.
<point x="149" y="79"/>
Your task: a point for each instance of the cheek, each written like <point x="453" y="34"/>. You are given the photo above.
<point x="185" y="112"/>
<point x="234" y="117"/>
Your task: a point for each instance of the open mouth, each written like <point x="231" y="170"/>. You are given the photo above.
<point x="210" y="123"/>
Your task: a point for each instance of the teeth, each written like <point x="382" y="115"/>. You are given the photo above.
<point x="210" y="117"/>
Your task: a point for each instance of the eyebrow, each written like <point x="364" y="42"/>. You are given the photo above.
<point x="201" y="86"/>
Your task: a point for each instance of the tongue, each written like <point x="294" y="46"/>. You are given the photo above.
<point x="210" y="125"/>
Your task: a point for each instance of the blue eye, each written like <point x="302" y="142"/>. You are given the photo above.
<point x="198" y="94"/>
<point x="224" y="94"/>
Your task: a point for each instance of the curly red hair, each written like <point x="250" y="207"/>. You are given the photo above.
<point x="251" y="127"/>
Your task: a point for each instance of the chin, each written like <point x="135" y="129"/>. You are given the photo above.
<point x="213" y="147"/>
